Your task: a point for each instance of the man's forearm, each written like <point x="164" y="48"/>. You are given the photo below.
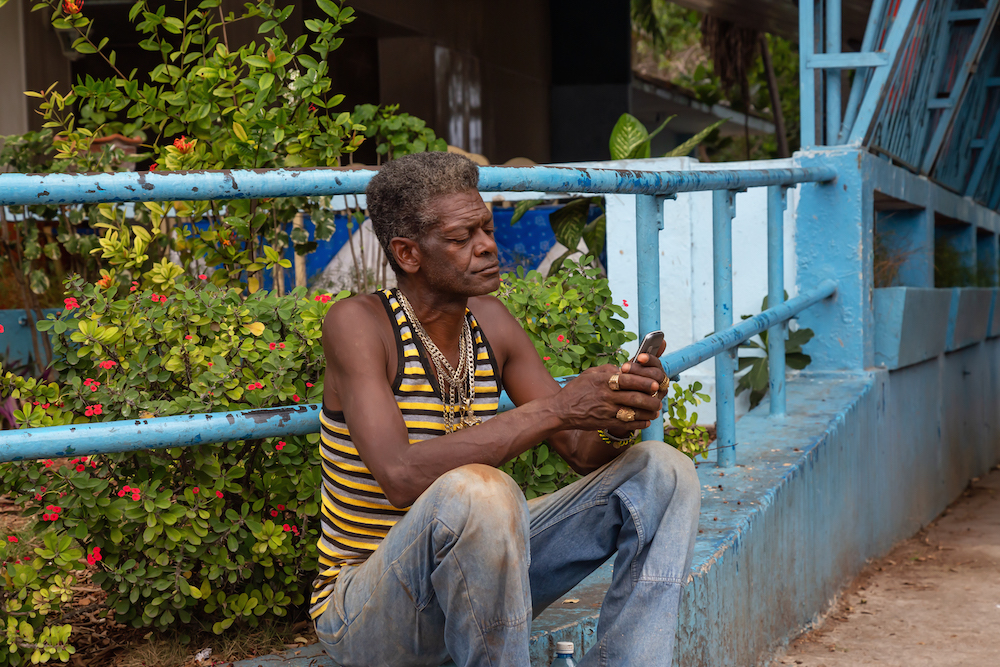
<point x="493" y="442"/>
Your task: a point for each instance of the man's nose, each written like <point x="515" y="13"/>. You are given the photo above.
<point x="486" y="244"/>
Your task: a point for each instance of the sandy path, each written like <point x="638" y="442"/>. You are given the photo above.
<point x="934" y="600"/>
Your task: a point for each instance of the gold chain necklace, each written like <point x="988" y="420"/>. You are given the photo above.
<point x="460" y="390"/>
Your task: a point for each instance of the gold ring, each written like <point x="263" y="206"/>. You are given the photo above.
<point x="662" y="389"/>
<point x="626" y="414"/>
<point x="613" y="382"/>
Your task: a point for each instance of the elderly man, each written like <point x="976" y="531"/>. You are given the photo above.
<point x="428" y="550"/>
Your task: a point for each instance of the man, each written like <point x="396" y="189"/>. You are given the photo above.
<point x="411" y="442"/>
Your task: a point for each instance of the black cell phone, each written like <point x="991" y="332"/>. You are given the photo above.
<point x="650" y="344"/>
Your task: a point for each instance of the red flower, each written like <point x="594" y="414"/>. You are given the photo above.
<point x="560" y="338"/>
<point x="219" y="494"/>
<point x="322" y="298"/>
<point x="70" y="303"/>
<point x="128" y="488"/>
<point x="153" y="166"/>
<point x="295" y="397"/>
<point x="195" y="490"/>
<point x="133" y="288"/>
<point x="104" y="282"/>
<point x="281" y="507"/>
<point x="72" y="6"/>
<point x="625" y="303"/>
<point x="280" y="445"/>
<point x="183" y="145"/>
<point x="309" y="384"/>
<point x="211" y="363"/>
<point x="188" y="337"/>
<point x="11" y="538"/>
<point x="202" y="276"/>
<point x="94" y="556"/>
<point x="136" y="497"/>
<point x="48" y="463"/>
<point x="287" y="528"/>
<point x="271" y="346"/>
<point x="80" y="467"/>
<point x="312" y="108"/>
<point x="546" y="358"/>
<point x="274" y="513"/>
<point x="281" y="346"/>
<point x="108" y="364"/>
<point x="295" y="529"/>
<point x="1" y="328"/>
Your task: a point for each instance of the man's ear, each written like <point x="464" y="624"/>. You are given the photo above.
<point x="406" y="252"/>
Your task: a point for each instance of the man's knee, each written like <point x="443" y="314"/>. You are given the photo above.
<point x="667" y="463"/>
<point x="482" y="492"/>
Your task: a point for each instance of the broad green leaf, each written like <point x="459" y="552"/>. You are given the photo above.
<point x="568" y="222"/>
<point x="628" y="137"/>
<point x="523" y="207"/>
<point x="594" y="234"/>
<point x="691" y="143"/>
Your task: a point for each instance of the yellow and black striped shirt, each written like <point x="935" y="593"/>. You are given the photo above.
<point x="356" y="514"/>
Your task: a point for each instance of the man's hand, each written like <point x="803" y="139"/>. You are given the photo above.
<point x="588" y="403"/>
<point x="649" y="366"/>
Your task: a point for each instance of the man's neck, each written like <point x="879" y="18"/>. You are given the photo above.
<point x="440" y="315"/>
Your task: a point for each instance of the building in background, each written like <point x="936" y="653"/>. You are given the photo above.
<point x="538" y="79"/>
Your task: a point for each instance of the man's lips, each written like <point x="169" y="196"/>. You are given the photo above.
<point x="492" y="268"/>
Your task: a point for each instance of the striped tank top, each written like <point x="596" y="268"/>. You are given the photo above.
<point x="356" y="514"/>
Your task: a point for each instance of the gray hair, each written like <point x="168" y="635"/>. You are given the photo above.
<point x="400" y="194"/>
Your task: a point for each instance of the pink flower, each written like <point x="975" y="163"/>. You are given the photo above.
<point x="218" y="494"/>
<point x="271" y="346"/>
<point x="70" y="303"/>
<point x="295" y="529"/>
<point x="309" y="384"/>
<point x="274" y="513"/>
<point x="281" y="346"/>
<point x="11" y="538"/>
<point x="127" y="488"/>
<point x="546" y="358"/>
<point x="108" y="364"/>
<point x="560" y="338"/>
<point x="625" y="303"/>
<point x="188" y="337"/>
<point x="295" y="397"/>
<point x="287" y="528"/>
<point x="48" y="463"/>
<point x="136" y="497"/>
<point x="80" y="467"/>
<point x="1" y="328"/>
<point x="280" y="445"/>
<point x="94" y="556"/>
<point x="195" y="490"/>
<point x="202" y="276"/>
<point x="281" y="508"/>
<point x="211" y="363"/>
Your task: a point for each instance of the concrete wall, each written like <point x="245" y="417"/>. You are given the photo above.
<point x="862" y="461"/>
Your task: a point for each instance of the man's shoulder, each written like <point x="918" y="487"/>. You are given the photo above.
<point x="354" y="315"/>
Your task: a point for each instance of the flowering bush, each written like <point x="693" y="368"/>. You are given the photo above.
<point x="221" y="533"/>
<point x="574" y="323"/>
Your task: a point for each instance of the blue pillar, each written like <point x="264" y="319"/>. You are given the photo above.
<point x="833" y="240"/>
<point x="832" y="26"/>
<point x="648" y="223"/>
<point x="776" y="202"/>
<point x="723" y="210"/>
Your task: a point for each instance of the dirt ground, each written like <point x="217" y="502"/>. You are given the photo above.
<point x="934" y="600"/>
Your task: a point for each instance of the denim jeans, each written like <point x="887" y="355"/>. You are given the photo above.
<point x="464" y="572"/>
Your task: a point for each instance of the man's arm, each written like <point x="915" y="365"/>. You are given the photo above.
<point x="526" y="380"/>
<point x="356" y="360"/>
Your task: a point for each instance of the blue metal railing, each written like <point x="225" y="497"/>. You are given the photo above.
<point x="650" y="188"/>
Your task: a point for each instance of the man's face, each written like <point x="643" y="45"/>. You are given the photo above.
<point x="458" y="254"/>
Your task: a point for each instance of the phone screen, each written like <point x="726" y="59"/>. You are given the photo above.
<point x="650" y="344"/>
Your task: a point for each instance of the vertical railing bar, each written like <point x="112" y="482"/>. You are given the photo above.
<point x="862" y="76"/>
<point x="776" y="202"/>
<point x="648" y="222"/>
<point x="807" y="75"/>
<point x="723" y="209"/>
<point x="832" y="28"/>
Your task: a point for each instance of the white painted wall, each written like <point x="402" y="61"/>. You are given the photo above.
<point x="686" y="297"/>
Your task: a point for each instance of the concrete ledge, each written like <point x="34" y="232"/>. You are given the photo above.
<point x="861" y="461"/>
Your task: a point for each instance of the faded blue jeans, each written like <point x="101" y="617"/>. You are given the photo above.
<point x="464" y="572"/>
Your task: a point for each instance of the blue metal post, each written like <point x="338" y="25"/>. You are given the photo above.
<point x="880" y="76"/>
<point x="776" y="296"/>
<point x="807" y="76"/>
<point x="648" y="223"/>
<point x="723" y="210"/>
<point x="833" y="29"/>
<point x="862" y="77"/>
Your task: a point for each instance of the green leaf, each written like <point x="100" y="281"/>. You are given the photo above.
<point x="38" y="282"/>
<point x="628" y="138"/>
<point x="568" y="222"/>
<point x="691" y="143"/>
<point x="594" y="234"/>
<point x="329" y="7"/>
<point x="523" y="207"/>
